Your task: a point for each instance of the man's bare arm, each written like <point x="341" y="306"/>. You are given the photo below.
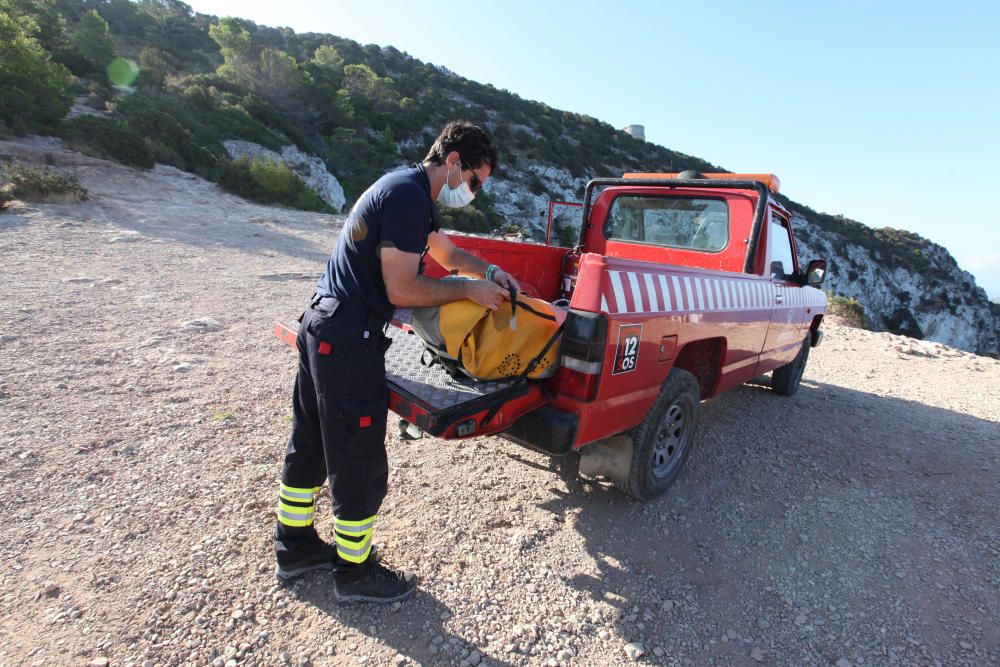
<point x="406" y="287"/>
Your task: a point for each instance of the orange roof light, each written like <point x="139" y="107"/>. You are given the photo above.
<point x="770" y="180"/>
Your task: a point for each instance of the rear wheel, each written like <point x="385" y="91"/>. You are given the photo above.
<point x="662" y="442"/>
<point x="785" y="380"/>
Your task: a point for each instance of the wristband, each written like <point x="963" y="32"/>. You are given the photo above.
<point x="491" y="271"/>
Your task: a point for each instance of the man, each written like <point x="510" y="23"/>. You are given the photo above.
<point x="340" y="397"/>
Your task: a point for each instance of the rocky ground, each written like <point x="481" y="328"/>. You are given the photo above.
<point x="144" y="407"/>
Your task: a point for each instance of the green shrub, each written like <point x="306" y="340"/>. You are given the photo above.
<point x="267" y="182"/>
<point x="465" y="219"/>
<point x="479" y="217"/>
<point x="108" y="139"/>
<point x="41" y="185"/>
<point x="848" y="310"/>
<point x="33" y="88"/>
<point x="568" y="236"/>
<point x="171" y="142"/>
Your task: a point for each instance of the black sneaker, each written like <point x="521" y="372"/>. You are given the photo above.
<point x="323" y="557"/>
<point x="372" y="582"/>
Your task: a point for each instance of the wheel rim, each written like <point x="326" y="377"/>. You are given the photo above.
<point x="672" y="436"/>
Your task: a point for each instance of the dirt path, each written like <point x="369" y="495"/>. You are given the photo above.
<point x="853" y="523"/>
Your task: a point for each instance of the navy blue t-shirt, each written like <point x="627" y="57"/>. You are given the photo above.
<point x="395" y="212"/>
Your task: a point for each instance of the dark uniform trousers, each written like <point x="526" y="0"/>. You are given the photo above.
<point x="340" y="405"/>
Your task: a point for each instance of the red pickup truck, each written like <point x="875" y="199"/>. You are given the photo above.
<point x="681" y="286"/>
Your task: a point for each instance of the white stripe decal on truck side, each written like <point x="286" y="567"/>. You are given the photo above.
<point x="616" y="285"/>
<point x="697" y="293"/>
<point x="666" y="292"/>
<point x="654" y="303"/>
<point x="640" y="306"/>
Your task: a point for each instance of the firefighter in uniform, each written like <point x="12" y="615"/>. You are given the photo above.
<point x="340" y="398"/>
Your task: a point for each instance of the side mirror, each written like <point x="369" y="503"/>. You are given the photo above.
<point x="815" y="272"/>
<point x="777" y="270"/>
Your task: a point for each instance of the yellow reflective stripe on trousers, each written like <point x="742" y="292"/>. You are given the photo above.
<point x="297" y="494"/>
<point x="353" y="527"/>
<point x="290" y="515"/>
<point x="355" y="552"/>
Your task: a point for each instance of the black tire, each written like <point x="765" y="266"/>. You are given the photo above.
<point x="662" y="442"/>
<point x="785" y="380"/>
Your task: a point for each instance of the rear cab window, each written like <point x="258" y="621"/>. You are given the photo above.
<point x="687" y="223"/>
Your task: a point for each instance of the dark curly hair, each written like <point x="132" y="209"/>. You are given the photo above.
<point x="471" y="142"/>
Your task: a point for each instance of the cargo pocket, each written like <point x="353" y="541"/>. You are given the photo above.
<point x="364" y="425"/>
<point x="322" y="326"/>
<point x="363" y="367"/>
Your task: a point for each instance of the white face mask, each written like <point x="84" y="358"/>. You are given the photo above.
<point x="456" y="197"/>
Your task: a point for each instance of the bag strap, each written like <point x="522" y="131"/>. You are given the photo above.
<point x="428" y="357"/>
<point x="431" y="357"/>
<point x="520" y="378"/>
<point x="524" y="306"/>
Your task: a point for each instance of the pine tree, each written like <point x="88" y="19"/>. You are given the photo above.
<point x="33" y="89"/>
<point x="93" y="40"/>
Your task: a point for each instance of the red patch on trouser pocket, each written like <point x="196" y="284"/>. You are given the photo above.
<point x="325" y="348"/>
<point x="365" y="422"/>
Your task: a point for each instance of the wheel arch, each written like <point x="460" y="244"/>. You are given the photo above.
<point x="703" y="359"/>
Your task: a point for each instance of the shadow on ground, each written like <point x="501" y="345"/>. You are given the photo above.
<point x="410" y="628"/>
<point x="834" y="524"/>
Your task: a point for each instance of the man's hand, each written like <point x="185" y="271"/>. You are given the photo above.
<point x="505" y="280"/>
<point x="485" y="293"/>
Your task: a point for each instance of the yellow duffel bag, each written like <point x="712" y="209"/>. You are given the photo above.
<point x="473" y="340"/>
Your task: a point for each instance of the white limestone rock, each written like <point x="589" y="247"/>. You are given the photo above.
<point x="309" y="168"/>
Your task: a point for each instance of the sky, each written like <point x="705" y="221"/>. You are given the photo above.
<point x="885" y="112"/>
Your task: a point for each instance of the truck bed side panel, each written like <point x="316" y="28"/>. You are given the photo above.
<point x="537" y="268"/>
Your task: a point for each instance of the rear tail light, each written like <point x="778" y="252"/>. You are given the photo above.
<point x="584" y="342"/>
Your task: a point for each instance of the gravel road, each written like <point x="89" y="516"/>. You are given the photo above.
<point x="144" y="407"/>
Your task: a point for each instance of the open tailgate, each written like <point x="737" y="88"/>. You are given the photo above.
<point x="434" y="401"/>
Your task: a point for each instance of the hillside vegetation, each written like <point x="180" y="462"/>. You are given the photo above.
<point x="198" y="80"/>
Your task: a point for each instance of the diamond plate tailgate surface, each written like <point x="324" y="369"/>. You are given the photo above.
<point x="431" y="385"/>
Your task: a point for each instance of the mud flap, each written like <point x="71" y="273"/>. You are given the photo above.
<point x="610" y="458"/>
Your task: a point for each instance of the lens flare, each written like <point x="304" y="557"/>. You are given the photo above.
<point x="122" y="72"/>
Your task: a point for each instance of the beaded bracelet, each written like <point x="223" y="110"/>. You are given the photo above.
<point x="491" y="271"/>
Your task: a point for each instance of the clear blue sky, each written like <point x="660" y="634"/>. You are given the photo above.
<point x="888" y="113"/>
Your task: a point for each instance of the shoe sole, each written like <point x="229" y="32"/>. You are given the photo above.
<point x="369" y="598"/>
<point x="281" y="573"/>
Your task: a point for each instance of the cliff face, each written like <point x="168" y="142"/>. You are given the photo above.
<point x="932" y="299"/>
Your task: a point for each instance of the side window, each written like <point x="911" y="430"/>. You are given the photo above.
<point x="782" y="262"/>
<point x="677" y="222"/>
